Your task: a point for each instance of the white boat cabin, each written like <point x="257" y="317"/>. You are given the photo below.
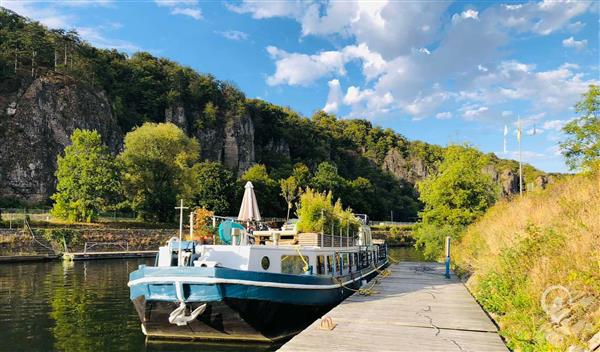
<point x="283" y="251"/>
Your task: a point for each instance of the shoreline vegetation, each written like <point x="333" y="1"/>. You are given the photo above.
<point x="523" y="248"/>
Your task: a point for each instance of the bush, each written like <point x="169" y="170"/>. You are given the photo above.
<point x="61" y="237"/>
<point x="317" y="213"/>
<point x="430" y="239"/>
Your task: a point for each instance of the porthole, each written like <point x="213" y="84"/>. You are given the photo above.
<point x="265" y="263"/>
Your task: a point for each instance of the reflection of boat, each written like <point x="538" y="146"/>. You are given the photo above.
<point x="265" y="291"/>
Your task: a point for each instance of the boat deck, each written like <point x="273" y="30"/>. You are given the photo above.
<point x="415" y="309"/>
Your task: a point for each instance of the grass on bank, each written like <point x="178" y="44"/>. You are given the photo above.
<point x="521" y="247"/>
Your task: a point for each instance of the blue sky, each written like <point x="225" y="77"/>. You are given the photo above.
<point x="442" y="72"/>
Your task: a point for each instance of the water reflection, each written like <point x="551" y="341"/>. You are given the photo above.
<point x="84" y="306"/>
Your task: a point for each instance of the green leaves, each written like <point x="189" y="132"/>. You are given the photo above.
<point x="87" y="178"/>
<point x="157" y="162"/>
<point x="582" y="147"/>
<point x="455" y="196"/>
<point x="213" y="187"/>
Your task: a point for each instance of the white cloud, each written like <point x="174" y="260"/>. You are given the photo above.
<point x="194" y="13"/>
<point x="176" y="3"/>
<point x="469" y="14"/>
<point x="472" y="112"/>
<point x="264" y="9"/>
<point x="543" y="17"/>
<point x="98" y="39"/>
<point x="572" y="43"/>
<point x="233" y="35"/>
<point x="303" y="69"/>
<point x="556" y="125"/>
<point x="182" y="7"/>
<point x="443" y="115"/>
<point x="409" y="52"/>
<point x="334" y="97"/>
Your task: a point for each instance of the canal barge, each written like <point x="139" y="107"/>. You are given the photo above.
<point x="264" y="291"/>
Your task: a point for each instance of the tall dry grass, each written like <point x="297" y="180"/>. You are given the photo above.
<point x="521" y="247"/>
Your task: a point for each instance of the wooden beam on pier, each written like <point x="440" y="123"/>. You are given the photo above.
<point x="416" y="309"/>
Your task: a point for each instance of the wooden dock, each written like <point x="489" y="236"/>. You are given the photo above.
<point x="108" y="255"/>
<point x="416" y="309"/>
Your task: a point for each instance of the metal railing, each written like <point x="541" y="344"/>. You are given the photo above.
<point x="123" y="245"/>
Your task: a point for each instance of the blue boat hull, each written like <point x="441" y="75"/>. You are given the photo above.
<point x="241" y="305"/>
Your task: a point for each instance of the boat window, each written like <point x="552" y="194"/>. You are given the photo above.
<point x="330" y="264"/>
<point x="320" y="265"/>
<point x="345" y="262"/>
<point x="265" y="263"/>
<point x="293" y="264"/>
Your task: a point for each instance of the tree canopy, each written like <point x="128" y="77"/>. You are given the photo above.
<point x="213" y="187"/>
<point x="455" y="196"/>
<point x="582" y="146"/>
<point x="157" y="161"/>
<point x="87" y="178"/>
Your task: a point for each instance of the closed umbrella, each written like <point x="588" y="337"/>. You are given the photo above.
<point x="249" y="210"/>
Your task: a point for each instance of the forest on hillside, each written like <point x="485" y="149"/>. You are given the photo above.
<point x="346" y="156"/>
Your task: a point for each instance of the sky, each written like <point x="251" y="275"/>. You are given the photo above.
<point x="436" y="71"/>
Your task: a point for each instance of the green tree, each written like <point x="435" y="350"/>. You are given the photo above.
<point x="455" y="196"/>
<point x="157" y="161"/>
<point x="87" y="178"/>
<point x="289" y="192"/>
<point x="213" y="187"/>
<point x="326" y="178"/>
<point x="582" y="148"/>
<point x="265" y="188"/>
<point x="301" y="174"/>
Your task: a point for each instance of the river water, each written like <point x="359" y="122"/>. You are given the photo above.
<point x="84" y="306"/>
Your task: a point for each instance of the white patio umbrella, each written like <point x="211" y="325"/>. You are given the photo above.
<point x="249" y="210"/>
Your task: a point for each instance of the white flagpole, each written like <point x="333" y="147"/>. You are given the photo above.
<point x="181" y="207"/>
<point x="520" y="157"/>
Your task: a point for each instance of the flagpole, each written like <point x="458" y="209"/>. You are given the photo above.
<point x="181" y="207"/>
<point x="520" y="158"/>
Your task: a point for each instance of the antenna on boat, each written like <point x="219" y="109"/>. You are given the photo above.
<point x="180" y="207"/>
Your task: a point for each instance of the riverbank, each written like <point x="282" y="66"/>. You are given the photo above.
<point x="534" y="265"/>
<point x="49" y="243"/>
<point x="395" y="235"/>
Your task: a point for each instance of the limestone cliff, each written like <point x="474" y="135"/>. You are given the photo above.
<point x="36" y="121"/>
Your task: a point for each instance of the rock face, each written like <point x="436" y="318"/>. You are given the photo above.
<point x="35" y="124"/>
<point x="408" y="169"/>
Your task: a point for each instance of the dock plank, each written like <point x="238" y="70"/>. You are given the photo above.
<point x="415" y="308"/>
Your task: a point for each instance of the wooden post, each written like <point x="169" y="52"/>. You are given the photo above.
<point x="447" y="275"/>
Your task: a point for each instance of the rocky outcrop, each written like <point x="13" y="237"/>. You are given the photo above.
<point x="238" y="146"/>
<point x="508" y="180"/>
<point x="35" y="124"/>
<point x="410" y="169"/>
